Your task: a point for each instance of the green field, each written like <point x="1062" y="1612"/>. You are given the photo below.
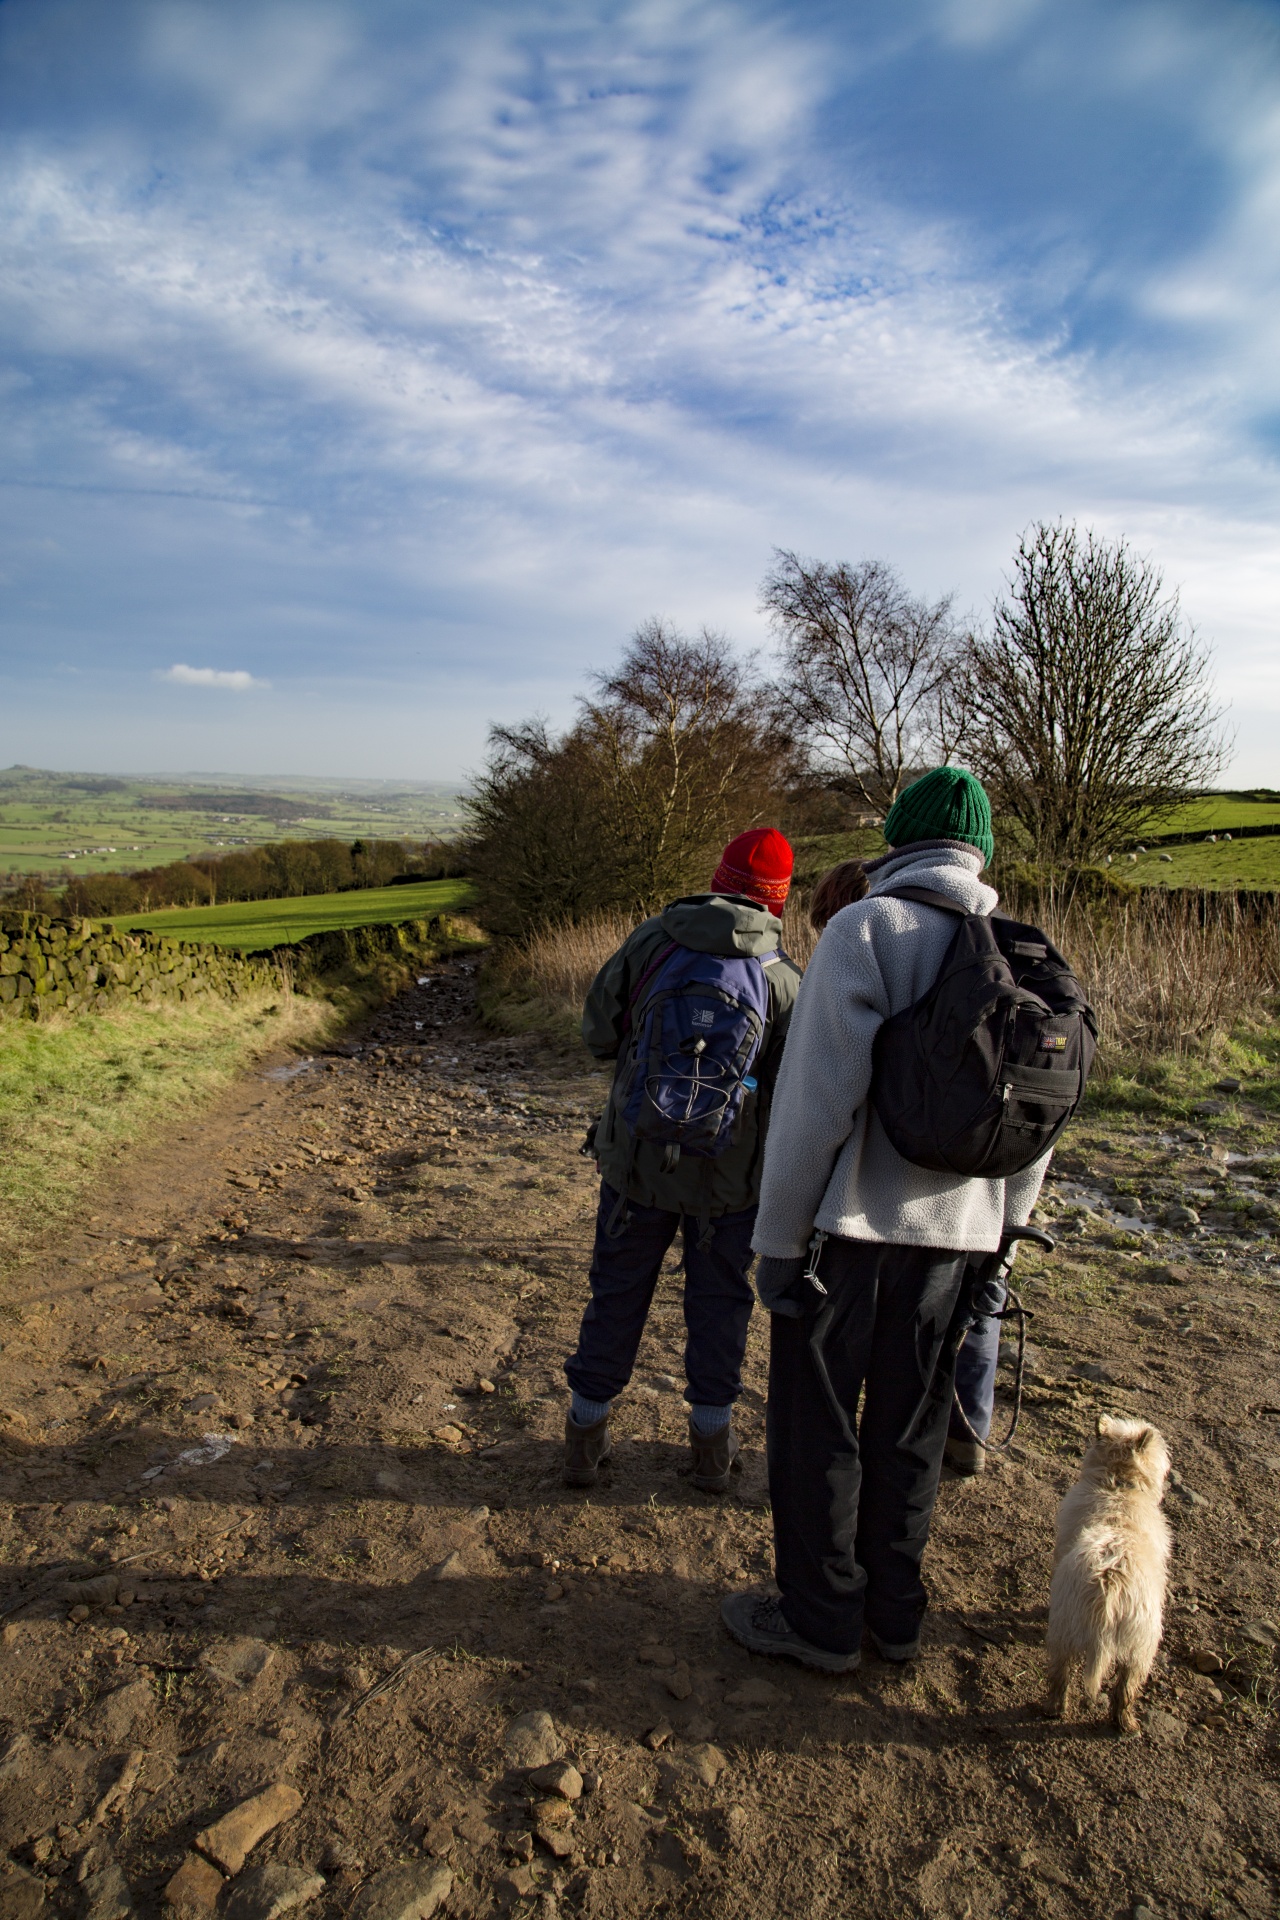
<point x="1221" y="813"/>
<point x="1231" y="863"/>
<point x="250" y="924"/>
<point x="56" y="825"/>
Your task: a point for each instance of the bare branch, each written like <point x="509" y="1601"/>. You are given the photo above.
<point x="866" y="678"/>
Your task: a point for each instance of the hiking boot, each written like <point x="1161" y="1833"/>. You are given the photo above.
<point x="757" y="1621"/>
<point x="585" y="1451"/>
<point x="896" y="1652"/>
<point x="715" y="1457"/>
<point x="962" y="1459"/>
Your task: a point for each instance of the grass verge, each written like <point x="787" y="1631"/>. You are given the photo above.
<point x="77" y="1090"/>
<point x="253" y="924"/>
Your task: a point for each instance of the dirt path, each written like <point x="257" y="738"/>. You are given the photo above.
<point x="361" y="1282"/>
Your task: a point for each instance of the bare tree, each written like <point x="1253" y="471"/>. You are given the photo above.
<point x="868" y="677"/>
<point x="1090" y="695"/>
<point x="682" y="731"/>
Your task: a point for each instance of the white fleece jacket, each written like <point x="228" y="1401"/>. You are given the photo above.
<point x="828" y="1162"/>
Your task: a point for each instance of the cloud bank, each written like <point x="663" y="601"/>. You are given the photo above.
<point x="422" y="357"/>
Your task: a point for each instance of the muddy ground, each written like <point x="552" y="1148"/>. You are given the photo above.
<point x="346" y="1295"/>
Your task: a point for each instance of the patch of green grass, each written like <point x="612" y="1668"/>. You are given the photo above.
<point x="77" y="1090"/>
<point x="1221" y="813"/>
<point x="1168" y="1087"/>
<point x="1253" y="864"/>
<point x="252" y="924"/>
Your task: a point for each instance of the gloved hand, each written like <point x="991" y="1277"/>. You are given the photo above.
<point x="778" y="1283"/>
<point x="991" y="1285"/>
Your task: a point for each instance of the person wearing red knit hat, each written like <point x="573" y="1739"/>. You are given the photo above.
<point x="706" y="954"/>
<point x="758" y="866"/>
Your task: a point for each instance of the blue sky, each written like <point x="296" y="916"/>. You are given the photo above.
<point x="382" y="366"/>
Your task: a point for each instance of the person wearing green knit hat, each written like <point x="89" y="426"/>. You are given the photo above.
<point x="947" y="804"/>
<point x="865" y="1262"/>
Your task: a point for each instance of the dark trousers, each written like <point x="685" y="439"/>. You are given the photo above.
<point x="624" y="1272"/>
<point x="853" y="1489"/>
<point x="976" y="1379"/>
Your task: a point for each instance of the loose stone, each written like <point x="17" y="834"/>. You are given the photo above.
<point x="707" y="1762"/>
<point x="403" y="1893"/>
<point x="561" y="1777"/>
<point x="267" y="1891"/>
<point x="21" y="1895"/>
<point x="551" y="1813"/>
<point x="106" y="1895"/>
<point x="531" y="1740"/>
<point x="679" y="1682"/>
<point x="195" y="1887"/>
<point x="230" y="1840"/>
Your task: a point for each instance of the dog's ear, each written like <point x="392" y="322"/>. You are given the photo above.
<point x="1103" y="1426"/>
<point x="1145" y="1439"/>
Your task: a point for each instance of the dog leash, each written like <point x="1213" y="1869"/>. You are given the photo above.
<point x="1012" y="1308"/>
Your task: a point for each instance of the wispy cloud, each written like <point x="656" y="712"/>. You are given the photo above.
<point x="431" y="354"/>
<point x="236" y="681"/>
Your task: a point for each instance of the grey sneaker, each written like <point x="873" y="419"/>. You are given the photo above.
<point x="715" y="1457"/>
<point x="585" y="1451"/>
<point x="896" y="1652"/>
<point x="962" y="1459"/>
<point x="757" y="1621"/>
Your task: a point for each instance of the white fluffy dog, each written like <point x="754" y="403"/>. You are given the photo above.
<point x="1106" y="1602"/>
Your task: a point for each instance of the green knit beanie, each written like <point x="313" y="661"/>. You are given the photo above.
<point x="948" y="804"/>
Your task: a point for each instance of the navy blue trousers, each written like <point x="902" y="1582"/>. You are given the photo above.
<point x="855" y="1460"/>
<point x="718" y="1298"/>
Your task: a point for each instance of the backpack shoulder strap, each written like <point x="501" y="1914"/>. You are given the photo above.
<point x="663" y="955"/>
<point x="926" y="897"/>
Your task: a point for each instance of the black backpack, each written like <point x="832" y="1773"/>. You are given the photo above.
<point x="981" y="1075"/>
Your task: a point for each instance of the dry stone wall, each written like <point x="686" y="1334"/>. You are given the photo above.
<point x="81" y="965"/>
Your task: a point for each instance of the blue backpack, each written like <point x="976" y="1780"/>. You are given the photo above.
<point x="696" y="1038"/>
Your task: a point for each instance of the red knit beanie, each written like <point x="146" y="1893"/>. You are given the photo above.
<point x="758" y="863"/>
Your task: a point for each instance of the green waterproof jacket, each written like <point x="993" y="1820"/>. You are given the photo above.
<point x="709" y="923"/>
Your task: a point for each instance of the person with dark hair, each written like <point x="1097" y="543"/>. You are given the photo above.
<point x="694" y="1007"/>
<point x="839" y="887"/>
<point x="864" y="1260"/>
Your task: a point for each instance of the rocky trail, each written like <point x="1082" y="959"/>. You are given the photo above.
<point x="297" y="1614"/>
